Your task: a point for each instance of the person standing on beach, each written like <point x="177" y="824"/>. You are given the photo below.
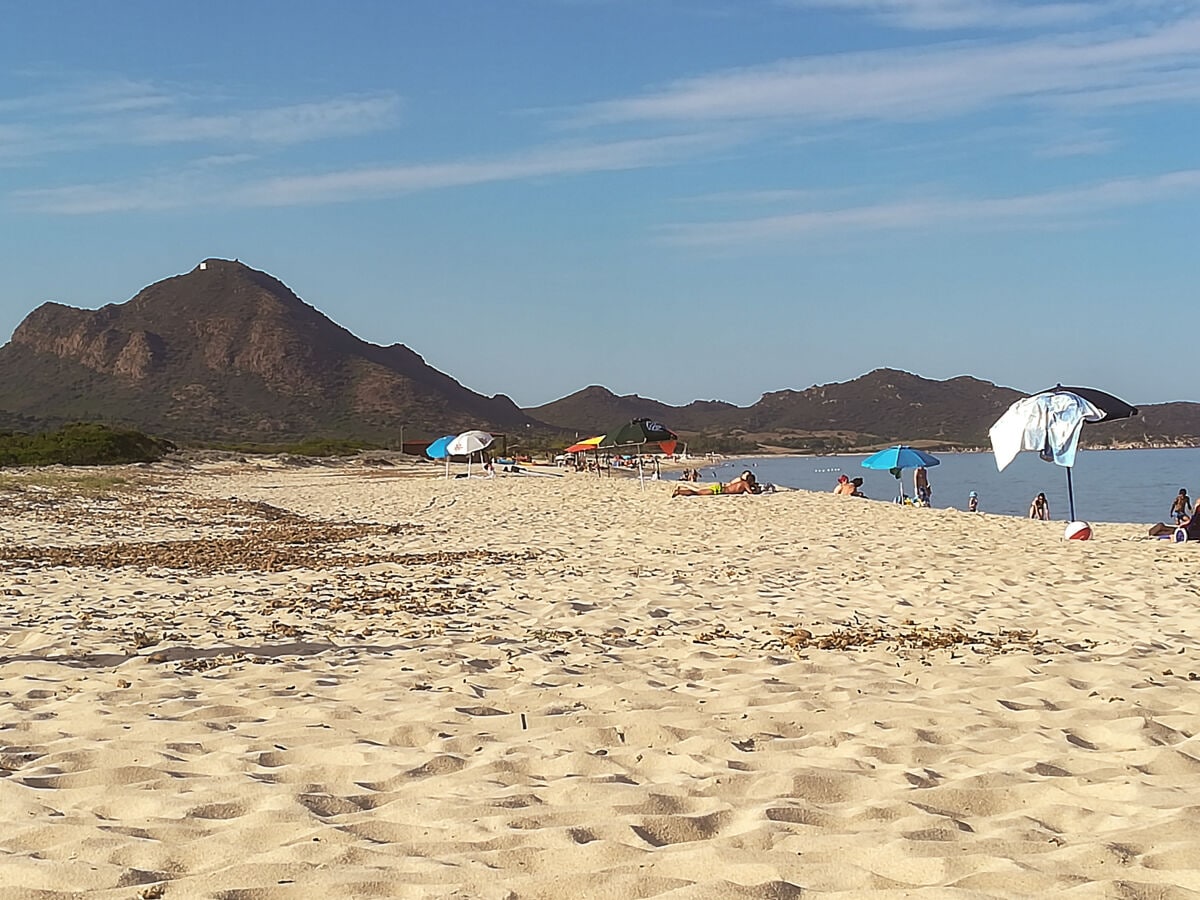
<point x="1040" y="508"/>
<point x="1181" y="508"/>
<point x="921" y="487"/>
<point x="973" y="502"/>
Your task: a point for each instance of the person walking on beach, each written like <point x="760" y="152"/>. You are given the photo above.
<point x="1181" y="508"/>
<point x="921" y="487"/>
<point x="973" y="502"/>
<point x="1040" y="508"/>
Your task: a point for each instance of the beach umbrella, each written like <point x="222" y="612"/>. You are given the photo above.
<point x="1112" y="407"/>
<point x="1050" y="422"/>
<point x="587" y="444"/>
<point x="437" y="450"/>
<point x="639" y="432"/>
<point x="896" y="459"/>
<point x="469" y="443"/>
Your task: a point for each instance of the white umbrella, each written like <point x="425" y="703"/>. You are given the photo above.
<point x="468" y="443"/>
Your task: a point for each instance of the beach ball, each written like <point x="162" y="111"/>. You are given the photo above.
<point x="1078" y="531"/>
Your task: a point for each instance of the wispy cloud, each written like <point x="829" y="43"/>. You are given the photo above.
<point x="931" y="82"/>
<point x="91" y="97"/>
<point x="197" y="187"/>
<point x="294" y="124"/>
<point x="939" y="15"/>
<point x="1091" y="143"/>
<point x="122" y="112"/>
<point x="1062" y="207"/>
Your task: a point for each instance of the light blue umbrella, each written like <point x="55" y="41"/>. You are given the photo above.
<point x="894" y="459"/>
<point x="437" y="450"/>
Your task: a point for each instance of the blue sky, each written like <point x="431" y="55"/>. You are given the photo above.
<point x="685" y="199"/>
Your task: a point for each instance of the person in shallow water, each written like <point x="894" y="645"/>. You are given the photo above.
<point x="745" y="483"/>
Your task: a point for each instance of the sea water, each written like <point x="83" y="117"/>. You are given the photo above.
<point x="1108" y="485"/>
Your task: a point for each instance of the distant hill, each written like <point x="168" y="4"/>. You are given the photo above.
<point x="1158" y="424"/>
<point x="228" y="352"/>
<point x="596" y="409"/>
<point x="882" y="407"/>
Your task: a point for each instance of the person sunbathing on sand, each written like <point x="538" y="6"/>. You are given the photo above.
<point x="745" y="483"/>
<point x="850" y="488"/>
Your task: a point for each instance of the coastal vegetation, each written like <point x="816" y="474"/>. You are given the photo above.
<point x="81" y="444"/>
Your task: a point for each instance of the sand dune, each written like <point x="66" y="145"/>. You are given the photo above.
<point x="240" y="681"/>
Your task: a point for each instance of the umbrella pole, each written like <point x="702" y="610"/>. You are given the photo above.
<point x="1070" y="494"/>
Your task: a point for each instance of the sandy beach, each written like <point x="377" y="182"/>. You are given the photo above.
<point x="247" y="680"/>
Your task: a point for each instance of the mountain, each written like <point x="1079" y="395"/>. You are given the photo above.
<point x="889" y="405"/>
<point x="229" y="352"/>
<point x="884" y="406"/>
<point x="1159" y="424"/>
<point x="596" y="409"/>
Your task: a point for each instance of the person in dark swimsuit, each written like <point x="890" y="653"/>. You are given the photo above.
<point x="1182" y="507"/>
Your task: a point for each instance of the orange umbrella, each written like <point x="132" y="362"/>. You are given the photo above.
<point x="589" y="444"/>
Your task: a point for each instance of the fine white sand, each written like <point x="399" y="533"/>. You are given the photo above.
<point x="352" y="682"/>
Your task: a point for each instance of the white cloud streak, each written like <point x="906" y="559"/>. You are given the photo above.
<point x="1069" y="206"/>
<point x="295" y="124"/>
<point x="92" y="98"/>
<point x="195" y="188"/>
<point x="938" y="15"/>
<point x="932" y="82"/>
<point x="127" y="113"/>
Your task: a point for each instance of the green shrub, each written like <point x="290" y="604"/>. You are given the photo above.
<point x="81" y="444"/>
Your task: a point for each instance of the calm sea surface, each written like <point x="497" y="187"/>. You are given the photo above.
<point x="1109" y="485"/>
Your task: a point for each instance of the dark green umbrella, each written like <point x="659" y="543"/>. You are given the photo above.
<point x="638" y="433"/>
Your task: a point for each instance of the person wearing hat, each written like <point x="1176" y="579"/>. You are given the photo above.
<point x="973" y="502"/>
